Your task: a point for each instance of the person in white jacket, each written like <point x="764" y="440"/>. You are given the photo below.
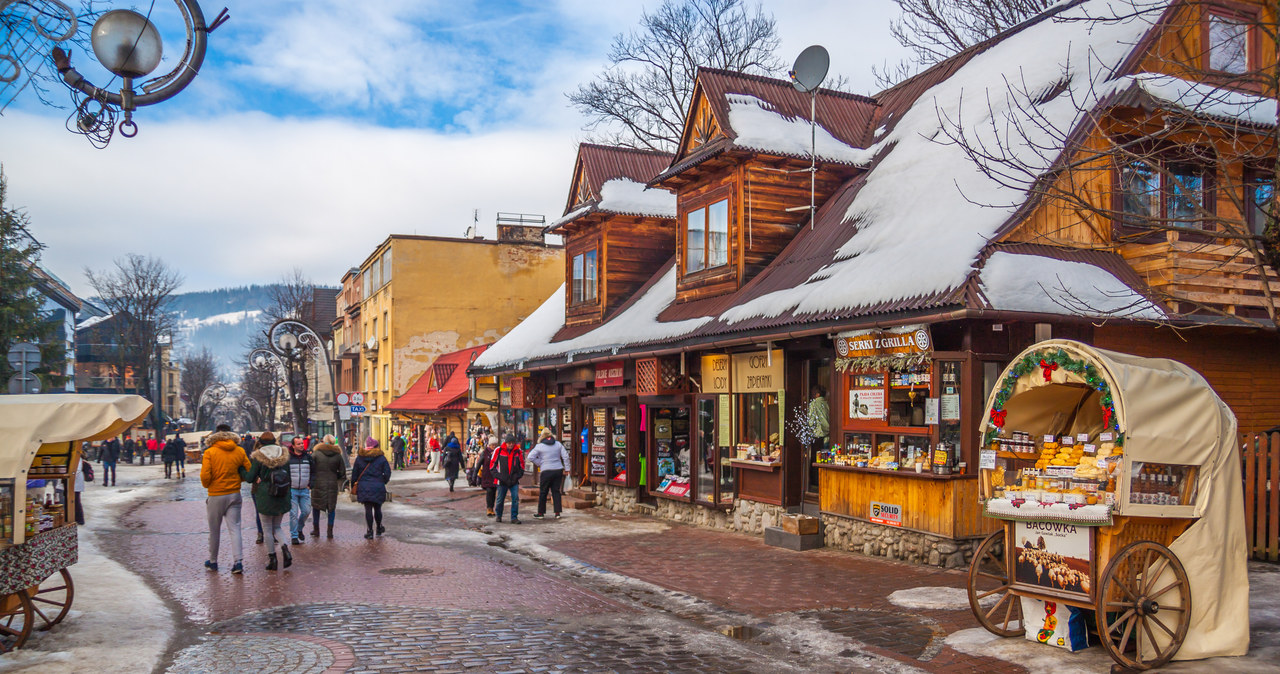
<point x="552" y="459"/>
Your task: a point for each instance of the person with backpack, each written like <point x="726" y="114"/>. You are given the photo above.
<point x="369" y="476"/>
<point x="552" y="459"/>
<point x="220" y="470"/>
<point x="507" y="467"/>
<point x="452" y="460"/>
<point x="268" y="472"/>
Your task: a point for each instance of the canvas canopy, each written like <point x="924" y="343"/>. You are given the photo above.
<point x="1168" y="414"/>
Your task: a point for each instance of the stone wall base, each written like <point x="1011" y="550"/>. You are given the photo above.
<point x="748" y="517"/>
<point x="843" y="533"/>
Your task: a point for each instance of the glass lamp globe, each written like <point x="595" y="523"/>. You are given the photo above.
<point x="287" y="341"/>
<point x="126" y="43"/>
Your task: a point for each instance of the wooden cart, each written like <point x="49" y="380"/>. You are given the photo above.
<point x="40" y="438"/>
<point x="1138" y="521"/>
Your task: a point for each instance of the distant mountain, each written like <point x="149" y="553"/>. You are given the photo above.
<point x="223" y="320"/>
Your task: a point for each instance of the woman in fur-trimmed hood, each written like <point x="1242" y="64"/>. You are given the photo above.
<point x="267" y="457"/>
<point x="369" y="475"/>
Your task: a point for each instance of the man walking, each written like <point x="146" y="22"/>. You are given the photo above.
<point x="153" y="448"/>
<point x="301" y="468"/>
<point x="507" y="466"/>
<point x="109" y="456"/>
<point x="397" y="450"/>
<point x="128" y="448"/>
<point x="220" y="475"/>
<point x="552" y="459"/>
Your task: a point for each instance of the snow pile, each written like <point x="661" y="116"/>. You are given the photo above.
<point x="230" y="318"/>
<point x="621" y="195"/>
<point x="1049" y="286"/>
<point x="1202" y="99"/>
<point x="935" y="598"/>
<point x="531" y="339"/>
<point x="1037" y="658"/>
<point x="927" y="209"/>
<point x="759" y="126"/>
<point x="569" y="217"/>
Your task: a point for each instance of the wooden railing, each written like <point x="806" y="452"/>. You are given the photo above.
<point x="1261" y="455"/>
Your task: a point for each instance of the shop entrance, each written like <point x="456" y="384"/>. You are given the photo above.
<point x="671" y="472"/>
<point x="818" y="380"/>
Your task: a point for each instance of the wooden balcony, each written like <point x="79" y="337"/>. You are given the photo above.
<point x="1203" y="278"/>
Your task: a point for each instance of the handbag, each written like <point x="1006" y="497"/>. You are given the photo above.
<point x="355" y="484"/>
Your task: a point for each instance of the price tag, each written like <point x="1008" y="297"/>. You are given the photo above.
<point x="1050" y="438"/>
<point x="1082" y="437"/>
<point x="1090" y="449"/>
<point x="1067" y="440"/>
<point x="987" y="459"/>
<point x="1107" y="437"/>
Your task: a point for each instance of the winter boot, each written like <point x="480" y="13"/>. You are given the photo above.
<point x="381" y="529"/>
<point x="328" y="532"/>
<point x="315" y="530"/>
<point x="368" y="534"/>
<point x="259" y="541"/>
<point x="271" y="562"/>
<point x="288" y="558"/>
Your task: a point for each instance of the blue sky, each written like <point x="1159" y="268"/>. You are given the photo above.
<point x="317" y="128"/>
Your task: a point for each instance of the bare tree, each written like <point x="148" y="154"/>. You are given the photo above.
<point x="138" y="291"/>
<point x="935" y="30"/>
<point x="1176" y="169"/>
<point x="642" y="96"/>
<point x="199" y="372"/>
<point x="258" y="381"/>
<point x="290" y="299"/>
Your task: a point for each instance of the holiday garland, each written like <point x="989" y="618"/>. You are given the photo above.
<point x="1047" y="361"/>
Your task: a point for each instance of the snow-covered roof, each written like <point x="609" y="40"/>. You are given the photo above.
<point x="628" y="197"/>
<point x="1203" y="100"/>
<point x="92" y="321"/>
<point x="635" y="324"/>
<point x="760" y="127"/>
<point x="1047" y="285"/>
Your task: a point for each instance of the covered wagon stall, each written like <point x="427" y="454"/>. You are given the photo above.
<point x="1118" y="485"/>
<point x="40" y="438"/>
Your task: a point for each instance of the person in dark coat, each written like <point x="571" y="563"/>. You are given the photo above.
<point x="128" y="448"/>
<point x="109" y="455"/>
<point x="169" y="455"/>
<point x="330" y="469"/>
<point x="507" y="466"/>
<point x="369" y="476"/>
<point x="452" y="460"/>
<point x="397" y="450"/>
<point x="486" y="475"/>
<point x="272" y="509"/>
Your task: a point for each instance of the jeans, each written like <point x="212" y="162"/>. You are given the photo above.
<point x="219" y="509"/>
<point x="181" y="466"/>
<point x="108" y="468"/>
<point x="552" y="481"/>
<point x="315" y="518"/>
<point x="514" y="490"/>
<point x="299" y="506"/>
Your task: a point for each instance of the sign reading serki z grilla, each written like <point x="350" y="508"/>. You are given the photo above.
<point x="886" y="513"/>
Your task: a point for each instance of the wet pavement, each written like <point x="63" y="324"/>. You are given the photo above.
<point x="448" y="590"/>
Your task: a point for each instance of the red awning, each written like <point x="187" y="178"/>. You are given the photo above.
<point x="443" y="388"/>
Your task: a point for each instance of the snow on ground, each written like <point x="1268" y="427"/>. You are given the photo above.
<point x="230" y="318"/>
<point x="1263" y="656"/>
<point x="938" y="598"/>
<point x="116" y="623"/>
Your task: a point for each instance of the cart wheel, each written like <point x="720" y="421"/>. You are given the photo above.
<point x="1143" y="603"/>
<point x="15" y="621"/>
<point x="52" y="601"/>
<point x="989" y="578"/>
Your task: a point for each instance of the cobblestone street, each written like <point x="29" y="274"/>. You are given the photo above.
<point x="448" y="590"/>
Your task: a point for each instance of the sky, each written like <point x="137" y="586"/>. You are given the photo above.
<point x="316" y="129"/>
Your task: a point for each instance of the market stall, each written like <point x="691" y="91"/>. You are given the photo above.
<point x="1117" y="484"/>
<point x="40" y="438"/>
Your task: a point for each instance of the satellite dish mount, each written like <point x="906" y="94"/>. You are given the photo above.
<point x="807" y="75"/>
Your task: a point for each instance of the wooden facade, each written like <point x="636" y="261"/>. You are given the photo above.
<point x="629" y="250"/>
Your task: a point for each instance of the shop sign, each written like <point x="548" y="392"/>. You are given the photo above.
<point x="609" y="374"/>
<point x="866" y="403"/>
<point x="1053" y="555"/>
<point x="888" y="514"/>
<point x="863" y="343"/>
<point x="725" y="422"/>
<point x="758" y="372"/>
<point x="715" y="373"/>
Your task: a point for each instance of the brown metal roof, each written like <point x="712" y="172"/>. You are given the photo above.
<point x="602" y="163"/>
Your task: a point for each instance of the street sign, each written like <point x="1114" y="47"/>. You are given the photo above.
<point x="24" y="382"/>
<point x="344" y="399"/>
<point x="357" y="398"/>
<point x="357" y="409"/>
<point x="24" y="356"/>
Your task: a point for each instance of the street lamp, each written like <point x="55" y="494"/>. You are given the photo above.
<point x="128" y="45"/>
<point x="292" y="340"/>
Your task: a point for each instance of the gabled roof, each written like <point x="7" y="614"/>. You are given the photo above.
<point x="612" y="179"/>
<point x="442" y="388"/>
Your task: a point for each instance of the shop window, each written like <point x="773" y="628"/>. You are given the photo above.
<point x="1229" y="39"/>
<point x="584" y="277"/>
<point x="950" y="381"/>
<point x="707" y="237"/>
<point x="672" y="453"/>
<point x="1152" y="194"/>
<point x="759" y="423"/>
<point x="708" y="450"/>
<point x="1260" y="200"/>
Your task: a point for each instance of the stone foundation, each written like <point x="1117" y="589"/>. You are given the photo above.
<point x="843" y="533"/>
<point x="748" y="517"/>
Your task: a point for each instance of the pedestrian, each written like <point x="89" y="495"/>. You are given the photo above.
<point x="486" y="475"/>
<point x="128" y="448"/>
<point x="397" y="450"/>
<point x="451" y="459"/>
<point x="369" y="483"/>
<point x="301" y="468"/>
<point x="220" y="471"/>
<point x="507" y="467"/>
<point x="84" y="472"/>
<point x="108" y="455"/>
<point x="153" y="449"/>
<point x="179" y="456"/>
<point x="167" y="455"/>
<point x="329" y="468"/>
<point x="268" y="472"/>
<point x="552" y="459"/>
<point x="433" y="445"/>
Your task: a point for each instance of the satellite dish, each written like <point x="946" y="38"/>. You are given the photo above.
<point x="810" y="68"/>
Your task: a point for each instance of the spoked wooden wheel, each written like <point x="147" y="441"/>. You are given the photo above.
<point x="990" y="596"/>
<point x="15" y="620"/>
<point x="52" y="600"/>
<point x="1143" y="605"/>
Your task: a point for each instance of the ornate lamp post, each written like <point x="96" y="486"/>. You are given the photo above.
<point x="213" y="394"/>
<point x="294" y="341"/>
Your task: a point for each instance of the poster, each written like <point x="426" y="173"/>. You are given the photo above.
<point x="1053" y="555"/>
<point x="724" y="423"/>
<point x="931" y="411"/>
<point x="866" y="403"/>
<point x="950" y="407"/>
<point x="599" y="464"/>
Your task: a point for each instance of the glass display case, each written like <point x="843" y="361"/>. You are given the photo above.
<point x="883" y="451"/>
<point x="1162" y="484"/>
<point x="671" y="451"/>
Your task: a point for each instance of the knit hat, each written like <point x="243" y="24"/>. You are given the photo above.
<point x="493" y="441"/>
<point x="267" y="438"/>
<point x="371" y="443"/>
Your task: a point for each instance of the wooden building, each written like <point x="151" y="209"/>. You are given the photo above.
<point x="840" y="364"/>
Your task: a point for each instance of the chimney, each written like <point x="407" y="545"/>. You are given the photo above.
<point x="521" y="228"/>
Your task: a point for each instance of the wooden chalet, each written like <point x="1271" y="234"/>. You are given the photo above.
<point x="839" y="365"/>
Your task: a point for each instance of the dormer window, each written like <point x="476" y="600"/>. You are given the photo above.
<point x="1228" y="39"/>
<point x="707" y="237"/>
<point x="584" y="277"/>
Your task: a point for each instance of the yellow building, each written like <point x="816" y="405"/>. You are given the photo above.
<point x="423" y="296"/>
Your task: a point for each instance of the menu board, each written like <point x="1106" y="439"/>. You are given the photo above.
<point x="866" y="403"/>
